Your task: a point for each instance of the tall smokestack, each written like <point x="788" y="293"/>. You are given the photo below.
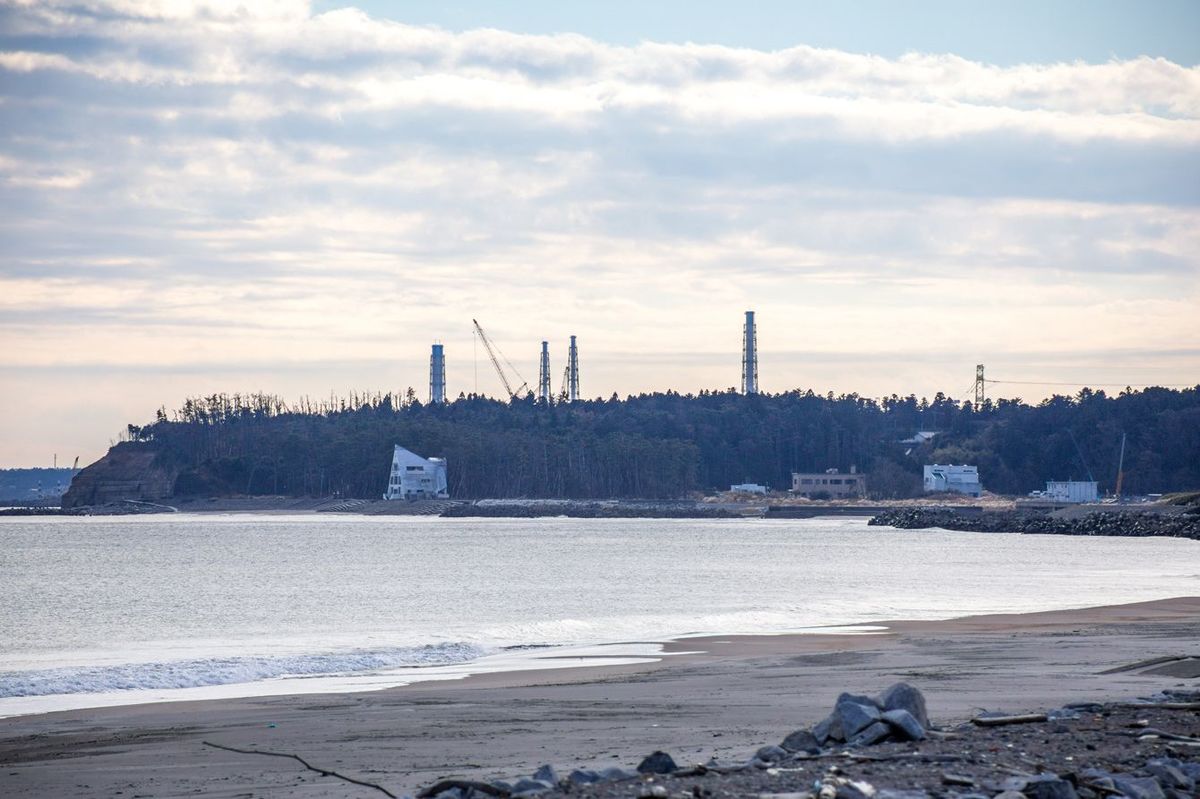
<point x="437" y="375"/>
<point x="544" y="374"/>
<point x="573" y="372"/>
<point x="749" y="356"/>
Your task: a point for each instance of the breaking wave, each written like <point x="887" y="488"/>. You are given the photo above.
<point x="228" y="670"/>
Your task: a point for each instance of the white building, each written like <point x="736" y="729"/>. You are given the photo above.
<point x="1072" y="490"/>
<point x="947" y="477"/>
<point x="414" y="477"/>
<point x="829" y="484"/>
<point x="748" y="488"/>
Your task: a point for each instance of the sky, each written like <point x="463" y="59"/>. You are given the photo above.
<point x="299" y="198"/>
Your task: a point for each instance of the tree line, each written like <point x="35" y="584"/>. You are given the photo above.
<point x="668" y="444"/>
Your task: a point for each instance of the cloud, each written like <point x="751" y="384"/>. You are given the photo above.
<point x="236" y="183"/>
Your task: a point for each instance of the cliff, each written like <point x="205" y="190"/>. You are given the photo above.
<point x="129" y="471"/>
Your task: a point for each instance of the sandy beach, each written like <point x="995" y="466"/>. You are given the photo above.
<point x="715" y="696"/>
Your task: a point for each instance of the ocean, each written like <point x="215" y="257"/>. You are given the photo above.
<point x="121" y="610"/>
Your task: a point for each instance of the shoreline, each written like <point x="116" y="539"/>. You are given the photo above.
<point x="723" y="694"/>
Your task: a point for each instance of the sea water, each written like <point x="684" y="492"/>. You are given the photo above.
<point x="115" y="610"/>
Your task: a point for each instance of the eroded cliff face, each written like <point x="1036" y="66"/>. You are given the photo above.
<point x="128" y="471"/>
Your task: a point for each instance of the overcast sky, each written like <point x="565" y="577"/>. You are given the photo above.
<point x="299" y="198"/>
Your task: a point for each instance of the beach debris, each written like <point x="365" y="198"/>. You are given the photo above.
<point x="657" y="763"/>
<point x="949" y="778"/>
<point x="771" y="754"/>
<point x="649" y="790"/>
<point x="324" y="772"/>
<point x="987" y="720"/>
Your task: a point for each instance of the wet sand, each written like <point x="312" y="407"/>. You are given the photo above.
<point x="732" y="694"/>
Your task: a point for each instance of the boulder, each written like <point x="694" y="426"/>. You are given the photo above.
<point x="871" y="734"/>
<point x="583" y="777"/>
<point x="859" y="699"/>
<point x="546" y="773"/>
<point x="856" y="790"/>
<point x="829" y="730"/>
<point x="657" y="763"/>
<point x="854" y="717"/>
<point x="771" y="754"/>
<point x="1050" y="787"/>
<point x="903" y="696"/>
<point x="1169" y="775"/>
<point x="801" y="741"/>
<point x="527" y="786"/>
<point x="905" y="725"/>
<point x="1138" y="787"/>
<point x="614" y="773"/>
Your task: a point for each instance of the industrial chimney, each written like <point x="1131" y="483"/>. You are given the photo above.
<point x="437" y="375"/>
<point x="544" y="374"/>
<point x="573" y="372"/>
<point x="749" y="356"/>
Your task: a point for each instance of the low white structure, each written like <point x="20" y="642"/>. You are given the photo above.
<point x="962" y="479"/>
<point x="1075" y="491"/>
<point x="829" y="484"/>
<point x="748" y="488"/>
<point x="414" y="477"/>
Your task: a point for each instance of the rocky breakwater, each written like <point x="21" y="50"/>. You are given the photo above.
<point x="886" y="747"/>
<point x="534" y="509"/>
<point x="1117" y="523"/>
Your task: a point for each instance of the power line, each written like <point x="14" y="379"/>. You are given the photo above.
<point x="1088" y="385"/>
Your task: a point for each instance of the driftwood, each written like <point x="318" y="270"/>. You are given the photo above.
<point x="1161" y="705"/>
<point x="324" y="772"/>
<point x="465" y="785"/>
<point x="1002" y="721"/>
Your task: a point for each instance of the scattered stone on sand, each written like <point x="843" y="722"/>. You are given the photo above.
<point x="657" y="763"/>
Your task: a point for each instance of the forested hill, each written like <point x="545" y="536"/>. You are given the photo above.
<point x="666" y="445"/>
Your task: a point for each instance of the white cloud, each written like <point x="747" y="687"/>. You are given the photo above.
<point x="227" y="183"/>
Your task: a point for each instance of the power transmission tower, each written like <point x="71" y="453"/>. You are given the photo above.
<point x="979" y="393"/>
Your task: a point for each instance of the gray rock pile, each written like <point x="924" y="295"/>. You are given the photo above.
<point x="1120" y="523"/>
<point x="897" y="714"/>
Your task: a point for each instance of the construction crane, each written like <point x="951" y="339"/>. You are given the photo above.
<point x="494" y="353"/>
<point x="1121" y="469"/>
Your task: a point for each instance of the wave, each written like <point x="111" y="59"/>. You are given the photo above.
<point x="228" y="670"/>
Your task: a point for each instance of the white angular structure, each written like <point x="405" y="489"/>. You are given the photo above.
<point x="1074" y="491"/>
<point x="947" y="477"/>
<point x="414" y="477"/>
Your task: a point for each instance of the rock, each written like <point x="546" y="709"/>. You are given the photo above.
<point x="614" y="773"/>
<point x="903" y="696"/>
<point x="657" y="763"/>
<point x="888" y="793"/>
<point x="655" y="791"/>
<point x="829" y="730"/>
<point x="546" y="773"/>
<point x="1009" y="795"/>
<point x="771" y="754"/>
<point x="529" y="787"/>
<point x="583" y="777"/>
<point x="1138" y="787"/>
<point x="905" y="724"/>
<point x="1050" y="787"/>
<point x="800" y="741"/>
<point x="1169" y="775"/>
<point x="873" y="734"/>
<point x="855" y="717"/>
<point x="502" y="785"/>
<point x="450" y="793"/>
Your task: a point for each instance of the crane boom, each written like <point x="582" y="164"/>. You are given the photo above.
<point x="492" y="354"/>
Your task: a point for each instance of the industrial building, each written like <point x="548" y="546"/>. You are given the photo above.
<point x="748" y="488"/>
<point x="962" y="479"/>
<point x="831" y="483"/>
<point x="413" y="477"/>
<point x="1072" y="491"/>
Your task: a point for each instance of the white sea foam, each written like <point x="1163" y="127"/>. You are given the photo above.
<point x="228" y="670"/>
